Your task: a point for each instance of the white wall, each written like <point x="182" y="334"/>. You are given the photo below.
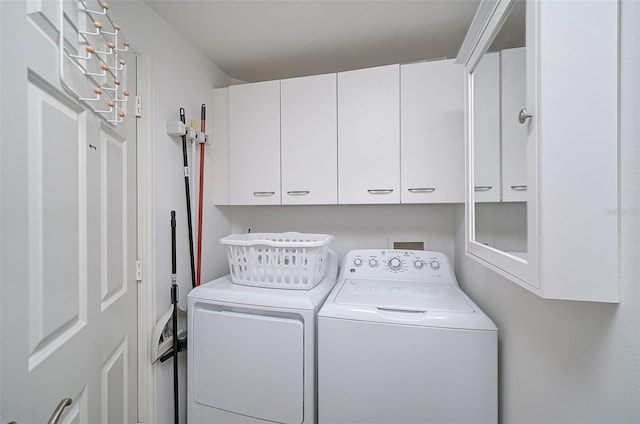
<point x="354" y="226"/>
<point x="179" y="76"/>
<point x="574" y="362"/>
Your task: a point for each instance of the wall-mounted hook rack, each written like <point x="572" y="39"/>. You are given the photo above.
<point x="93" y="56"/>
<point x="179" y="129"/>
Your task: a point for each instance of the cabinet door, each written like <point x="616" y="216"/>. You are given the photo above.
<point x="571" y="118"/>
<point x="486" y="129"/>
<point x="369" y="135"/>
<point x="514" y="134"/>
<point x="432" y="132"/>
<point x="254" y="148"/>
<point x="309" y="140"/>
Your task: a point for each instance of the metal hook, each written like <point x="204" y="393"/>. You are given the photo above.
<point x="116" y="28"/>
<point x="90" y="50"/>
<point x="122" y="62"/>
<point x="98" y="91"/>
<point x="104" y="68"/>
<point x="126" y="46"/>
<point x="97" y="25"/>
<point x="125" y="93"/>
<point x="104" y="5"/>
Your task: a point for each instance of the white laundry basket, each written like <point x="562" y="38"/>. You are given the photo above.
<point x="277" y="260"/>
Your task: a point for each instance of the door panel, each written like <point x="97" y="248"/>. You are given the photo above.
<point x="68" y="298"/>
<point x="115" y="395"/>
<point x="55" y="172"/>
<point x="114" y="217"/>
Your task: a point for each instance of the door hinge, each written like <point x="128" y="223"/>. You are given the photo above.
<point x="138" y="106"/>
<point x="138" y="270"/>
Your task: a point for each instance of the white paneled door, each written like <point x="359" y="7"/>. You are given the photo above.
<point x="68" y="224"/>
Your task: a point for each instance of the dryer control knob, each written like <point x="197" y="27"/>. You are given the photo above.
<point x="373" y="262"/>
<point x="357" y="261"/>
<point x="435" y="264"/>
<point x="418" y="263"/>
<point x="395" y="263"/>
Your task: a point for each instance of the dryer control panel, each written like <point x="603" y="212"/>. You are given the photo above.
<point x="416" y="265"/>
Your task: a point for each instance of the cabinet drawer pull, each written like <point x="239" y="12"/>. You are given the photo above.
<point x="482" y="188"/>
<point x="298" y="192"/>
<point x="263" y="193"/>
<point x="380" y="190"/>
<point x="422" y="190"/>
<point x="519" y="187"/>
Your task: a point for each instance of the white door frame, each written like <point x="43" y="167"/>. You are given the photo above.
<point x="146" y="243"/>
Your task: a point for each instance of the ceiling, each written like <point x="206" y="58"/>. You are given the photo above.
<point x="266" y="40"/>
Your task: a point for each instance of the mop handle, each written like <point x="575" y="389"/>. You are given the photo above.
<point x="174" y="319"/>
<point x="185" y="162"/>
<point x="173" y="246"/>
<point x="203" y="116"/>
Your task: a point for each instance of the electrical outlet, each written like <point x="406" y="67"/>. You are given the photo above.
<point x="408" y="241"/>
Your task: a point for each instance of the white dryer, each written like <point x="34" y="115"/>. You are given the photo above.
<point x="399" y="342"/>
<point x="252" y="352"/>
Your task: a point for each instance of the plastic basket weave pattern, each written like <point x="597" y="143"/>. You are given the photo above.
<point x="277" y="260"/>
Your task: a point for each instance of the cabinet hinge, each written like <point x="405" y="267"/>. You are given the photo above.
<point x="138" y="270"/>
<point x="138" y="106"/>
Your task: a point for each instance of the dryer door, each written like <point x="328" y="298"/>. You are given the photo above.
<point x="249" y="364"/>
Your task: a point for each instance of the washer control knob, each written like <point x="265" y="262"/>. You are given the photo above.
<point x="395" y="263"/>
<point x="418" y="263"/>
<point x="373" y="262"/>
<point x="435" y="264"/>
<point x="357" y="261"/>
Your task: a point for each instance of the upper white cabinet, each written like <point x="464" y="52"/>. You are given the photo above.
<point x="369" y="135"/>
<point x="335" y="138"/>
<point x="562" y="237"/>
<point x="432" y="132"/>
<point x="309" y="140"/>
<point x="254" y="143"/>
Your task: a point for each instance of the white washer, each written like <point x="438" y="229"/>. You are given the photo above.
<point x="252" y="352"/>
<point x="399" y="342"/>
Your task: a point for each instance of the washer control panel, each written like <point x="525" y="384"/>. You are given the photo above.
<point x="397" y="264"/>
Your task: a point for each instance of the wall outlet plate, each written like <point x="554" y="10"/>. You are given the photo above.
<point x="408" y="241"/>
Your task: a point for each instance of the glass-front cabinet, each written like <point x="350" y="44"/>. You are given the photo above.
<point x="542" y="145"/>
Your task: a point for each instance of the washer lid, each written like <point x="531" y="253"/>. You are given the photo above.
<point x="402" y="295"/>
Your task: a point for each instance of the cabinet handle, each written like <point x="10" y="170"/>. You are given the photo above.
<point x="422" y="190"/>
<point x="524" y="115"/>
<point x="298" y="192"/>
<point x="59" y="410"/>
<point x="482" y="188"/>
<point x="519" y="187"/>
<point x="380" y="190"/>
<point x="263" y="193"/>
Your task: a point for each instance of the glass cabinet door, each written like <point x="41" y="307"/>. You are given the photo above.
<point x="500" y="130"/>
